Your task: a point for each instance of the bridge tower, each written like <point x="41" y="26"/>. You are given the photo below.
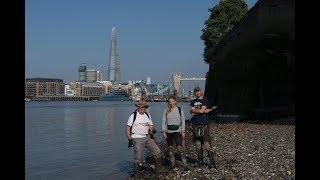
<point x="176" y="80"/>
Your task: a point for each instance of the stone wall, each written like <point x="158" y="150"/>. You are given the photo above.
<point x="253" y="65"/>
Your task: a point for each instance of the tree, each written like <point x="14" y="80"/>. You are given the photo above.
<point x="223" y="17"/>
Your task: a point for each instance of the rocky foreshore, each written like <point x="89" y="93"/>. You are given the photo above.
<point x="244" y="150"/>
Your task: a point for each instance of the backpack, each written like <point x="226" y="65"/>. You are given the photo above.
<point x="175" y="127"/>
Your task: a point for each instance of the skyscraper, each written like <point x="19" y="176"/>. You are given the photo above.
<point x="113" y="71"/>
<point x="82" y="72"/>
<point x="148" y="80"/>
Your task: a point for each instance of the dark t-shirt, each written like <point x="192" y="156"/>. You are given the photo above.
<point x="199" y="119"/>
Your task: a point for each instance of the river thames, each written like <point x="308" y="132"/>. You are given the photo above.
<point x="81" y="139"/>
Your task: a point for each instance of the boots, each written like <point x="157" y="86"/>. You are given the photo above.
<point x="211" y="155"/>
<point x="172" y="159"/>
<point x="137" y="170"/>
<point x="159" y="167"/>
<point x="171" y="154"/>
<point x="182" y="155"/>
<point x="200" y="158"/>
<point x="184" y="158"/>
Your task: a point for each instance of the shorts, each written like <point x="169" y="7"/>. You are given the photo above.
<point x="205" y="137"/>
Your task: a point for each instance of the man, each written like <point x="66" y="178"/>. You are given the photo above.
<point x="199" y="122"/>
<point x="138" y="126"/>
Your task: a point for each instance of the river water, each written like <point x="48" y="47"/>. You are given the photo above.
<point x="81" y="139"/>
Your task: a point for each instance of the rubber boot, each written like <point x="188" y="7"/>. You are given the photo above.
<point x="137" y="170"/>
<point x="159" y="167"/>
<point x="211" y="155"/>
<point x="200" y="158"/>
<point x="182" y="155"/>
<point x="171" y="154"/>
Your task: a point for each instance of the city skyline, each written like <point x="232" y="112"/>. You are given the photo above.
<point x="153" y="43"/>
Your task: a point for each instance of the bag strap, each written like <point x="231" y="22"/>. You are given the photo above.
<point x="179" y="108"/>
<point x="134" y="118"/>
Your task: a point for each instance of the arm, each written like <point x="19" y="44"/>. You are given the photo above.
<point x="198" y="111"/>
<point x="191" y="111"/>
<point x="128" y="126"/>
<point x="151" y="127"/>
<point x="206" y="103"/>
<point x="164" y="119"/>
<point x="183" y="124"/>
<point x="183" y="121"/>
<point x="192" y="108"/>
<point x="207" y="110"/>
<point x="128" y="133"/>
<point x="150" y="124"/>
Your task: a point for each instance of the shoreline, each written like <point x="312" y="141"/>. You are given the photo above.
<point x="244" y="150"/>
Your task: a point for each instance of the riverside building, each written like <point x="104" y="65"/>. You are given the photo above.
<point x="44" y="86"/>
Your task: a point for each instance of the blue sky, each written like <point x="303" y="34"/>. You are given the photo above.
<point x="155" y="38"/>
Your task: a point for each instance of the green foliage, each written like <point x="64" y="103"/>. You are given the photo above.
<point x="223" y="17"/>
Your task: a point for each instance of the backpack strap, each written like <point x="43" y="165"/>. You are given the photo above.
<point x="147" y="115"/>
<point x="135" y="117"/>
<point x="179" y="108"/>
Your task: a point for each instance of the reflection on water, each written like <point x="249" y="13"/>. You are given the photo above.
<point x="81" y="140"/>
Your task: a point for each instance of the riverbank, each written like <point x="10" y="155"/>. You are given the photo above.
<point x="244" y="150"/>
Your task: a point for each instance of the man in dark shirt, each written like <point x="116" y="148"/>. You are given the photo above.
<point x="199" y="122"/>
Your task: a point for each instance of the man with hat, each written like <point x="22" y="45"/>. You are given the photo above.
<point x="138" y="126"/>
<point x="200" y="120"/>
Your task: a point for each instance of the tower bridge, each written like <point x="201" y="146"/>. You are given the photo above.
<point x="178" y="88"/>
<point x="175" y="86"/>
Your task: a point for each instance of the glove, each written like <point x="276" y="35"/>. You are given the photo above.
<point x="154" y="131"/>
<point x="151" y="133"/>
<point x="130" y="143"/>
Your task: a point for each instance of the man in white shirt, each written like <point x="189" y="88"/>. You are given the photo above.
<point x="138" y="126"/>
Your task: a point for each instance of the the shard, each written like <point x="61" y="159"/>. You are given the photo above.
<point x="113" y="72"/>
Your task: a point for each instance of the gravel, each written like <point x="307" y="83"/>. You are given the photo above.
<point x="244" y="150"/>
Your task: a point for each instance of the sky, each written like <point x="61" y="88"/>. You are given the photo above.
<point x="155" y="38"/>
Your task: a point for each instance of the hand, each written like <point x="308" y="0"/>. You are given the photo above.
<point x="164" y="135"/>
<point x="130" y="143"/>
<point x="183" y="134"/>
<point x="207" y="110"/>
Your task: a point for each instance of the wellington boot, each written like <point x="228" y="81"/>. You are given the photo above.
<point x="200" y="158"/>
<point x="211" y="155"/>
<point x="182" y="155"/>
<point x="137" y="171"/>
<point x="159" y="167"/>
<point x="184" y="159"/>
<point x="172" y="159"/>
